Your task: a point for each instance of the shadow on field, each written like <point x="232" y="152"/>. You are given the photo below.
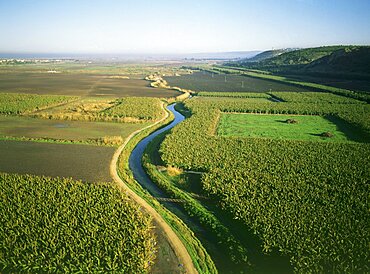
<point x="352" y="132"/>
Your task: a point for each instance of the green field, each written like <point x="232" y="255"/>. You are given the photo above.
<point x="63" y="130"/>
<point x="204" y="81"/>
<point x="81" y="162"/>
<point x="306" y="200"/>
<point x="307" y="128"/>
<point x="62" y="226"/>
<point x="79" y="84"/>
<point x="19" y="103"/>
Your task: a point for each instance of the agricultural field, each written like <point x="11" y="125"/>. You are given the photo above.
<point x="206" y="81"/>
<point x="59" y="225"/>
<point x="283" y="127"/>
<point x="13" y="104"/>
<point x="304" y="199"/>
<point x="66" y="131"/>
<point x="80" y="85"/>
<point x="314" y="97"/>
<point x="234" y="94"/>
<point x="140" y="108"/>
<point x="87" y="120"/>
<point x="80" y="162"/>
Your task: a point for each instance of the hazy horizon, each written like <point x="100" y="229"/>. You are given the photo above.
<point x="182" y="27"/>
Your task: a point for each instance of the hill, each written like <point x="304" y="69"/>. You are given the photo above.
<point x="266" y="55"/>
<point x="348" y="61"/>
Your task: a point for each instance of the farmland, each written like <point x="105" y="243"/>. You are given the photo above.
<point x="59" y="225"/>
<point x="62" y="130"/>
<point x="205" y="81"/>
<point x="287" y="127"/>
<point x="81" y="162"/>
<point x="268" y="185"/>
<point x="299" y="197"/>
<point x="79" y="85"/>
<point x="12" y="104"/>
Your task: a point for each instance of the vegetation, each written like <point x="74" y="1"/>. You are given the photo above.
<point x="141" y="108"/>
<point x="331" y="60"/>
<point x="98" y="133"/>
<point x="201" y="259"/>
<point x="287" y="127"/>
<point x="234" y="94"/>
<point x="314" y="98"/>
<point x="12" y="104"/>
<point x="223" y="236"/>
<point x="59" y="225"/>
<point x="265" y="55"/>
<point x="306" y="199"/>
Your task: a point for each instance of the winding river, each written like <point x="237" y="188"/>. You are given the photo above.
<point x="137" y="154"/>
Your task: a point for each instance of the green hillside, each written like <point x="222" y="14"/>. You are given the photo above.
<point x="266" y="55"/>
<point x="329" y="61"/>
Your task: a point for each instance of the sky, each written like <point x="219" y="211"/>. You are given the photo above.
<point x="177" y="26"/>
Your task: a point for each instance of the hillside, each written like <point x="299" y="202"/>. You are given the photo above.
<point x="266" y="55"/>
<point x="356" y="60"/>
<point x="343" y="61"/>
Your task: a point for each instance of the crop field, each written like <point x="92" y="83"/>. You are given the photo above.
<point x="12" y="104"/>
<point x="124" y="110"/>
<point x="63" y="226"/>
<point x="140" y="108"/>
<point x="74" y="131"/>
<point x="205" y="81"/>
<point x="307" y="200"/>
<point x="234" y="94"/>
<point x="351" y="84"/>
<point x="315" y="97"/>
<point x="301" y="127"/>
<point x="79" y="85"/>
<point x="81" y="162"/>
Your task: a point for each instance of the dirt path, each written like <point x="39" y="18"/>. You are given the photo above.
<point x="171" y="236"/>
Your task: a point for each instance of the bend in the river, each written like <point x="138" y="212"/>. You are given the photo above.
<point x="137" y="154"/>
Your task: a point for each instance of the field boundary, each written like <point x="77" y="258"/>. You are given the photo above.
<point x="170" y="235"/>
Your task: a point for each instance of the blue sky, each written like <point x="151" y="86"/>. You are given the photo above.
<point x="169" y="26"/>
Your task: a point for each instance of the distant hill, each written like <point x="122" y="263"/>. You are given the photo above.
<point x="327" y="61"/>
<point x="266" y="55"/>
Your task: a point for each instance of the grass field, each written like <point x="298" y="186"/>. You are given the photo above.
<point x="80" y="85"/>
<point x="81" y="162"/>
<point x="307" y="128"/>
<point x="66" y="130"/>
<point x="204" y="81"/>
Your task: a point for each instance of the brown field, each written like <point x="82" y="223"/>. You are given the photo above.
<point x="81" y="162"/>
<point x="79" y="84"/>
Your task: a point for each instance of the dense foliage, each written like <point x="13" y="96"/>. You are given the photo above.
<point x="142" y="108"/>
<point x="18" y="103"/>
<point x="308" y="200"/>
<point x="62" y="226"/>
